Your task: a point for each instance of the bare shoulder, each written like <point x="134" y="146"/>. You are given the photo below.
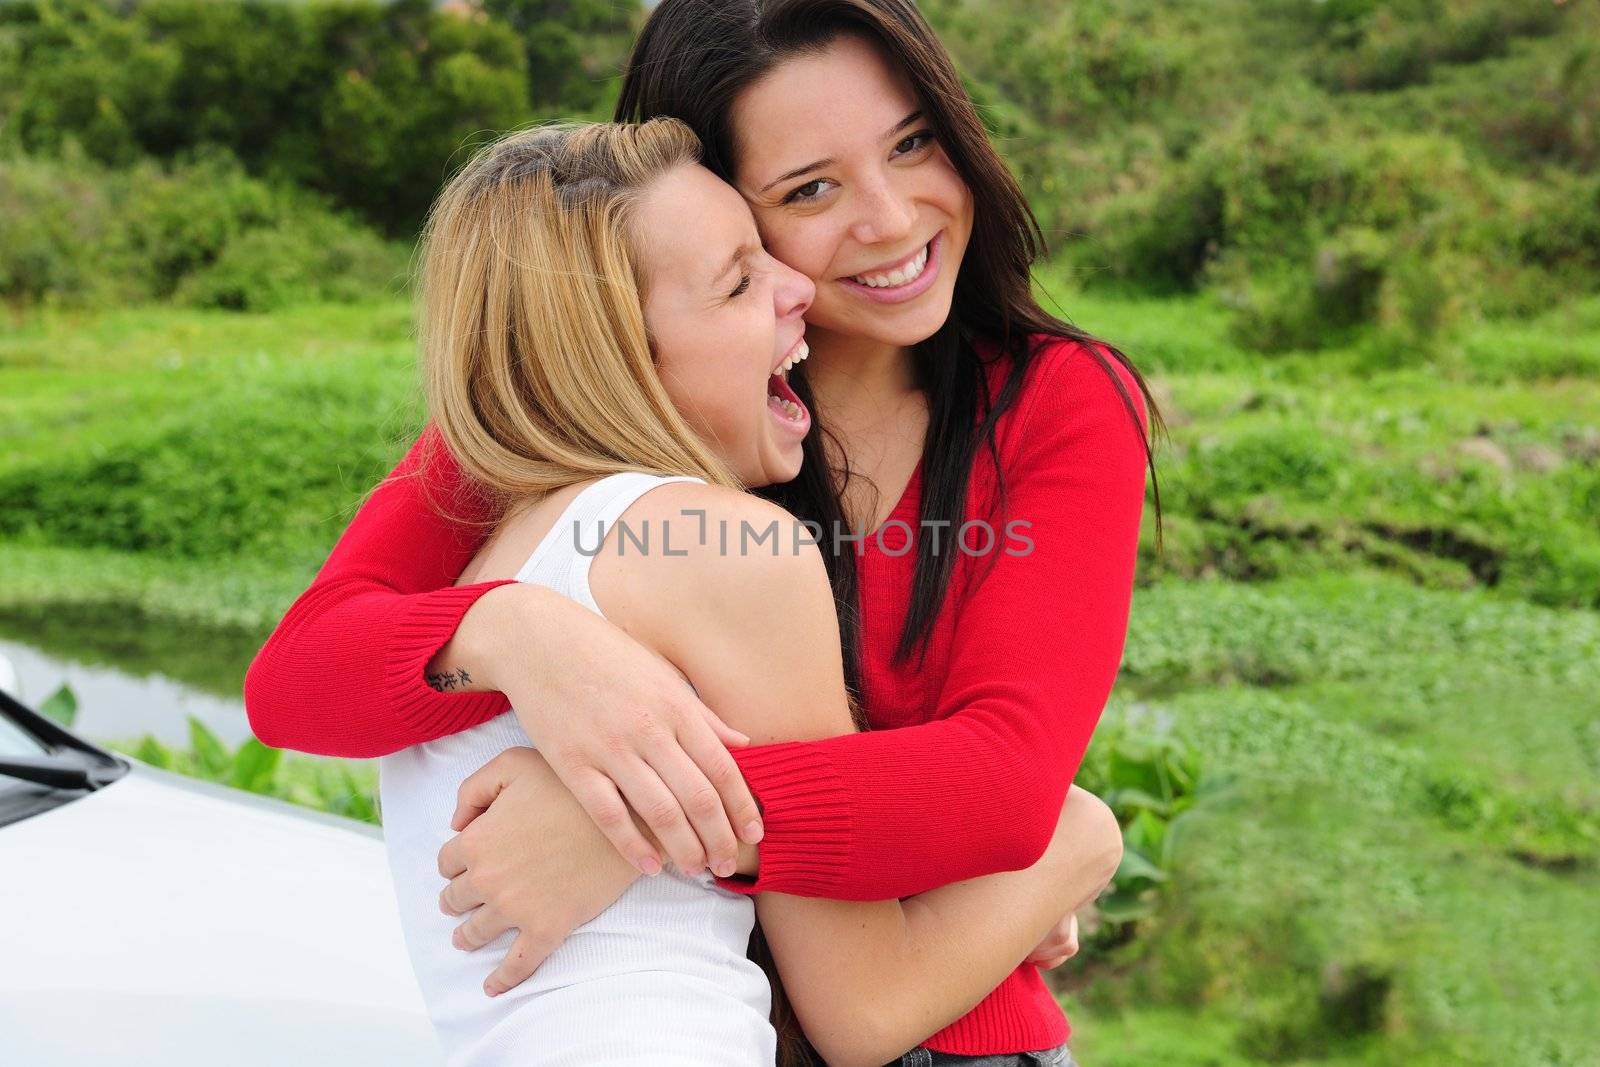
<point x="688" y="550"/>
<point x="733" y="591"/>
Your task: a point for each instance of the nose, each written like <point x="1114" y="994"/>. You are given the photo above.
<point x="793" y="293"/>
<point x="884" y="214"/>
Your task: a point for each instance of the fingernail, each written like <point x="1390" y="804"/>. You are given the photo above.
<point x="492" y="990"/>
<point x="650" y="865"/>
<point x="726" y="869"/>
<point x="752" y="832"/>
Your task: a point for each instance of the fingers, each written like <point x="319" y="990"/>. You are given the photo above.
<point x="479" y="789"/>
<point x="730" y="737"/>
<point x="702" y="803"/>
<point x="605" y="806"/>
<point x="459" y="897"/>
<point x="648" y="795"/>
<point x="482" y="926"/>
<point x="452" y="858"/>
<point x="713" y="760"/>
<point x="527" y="952"/>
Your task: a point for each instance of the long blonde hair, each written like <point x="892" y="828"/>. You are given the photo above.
<point x="536" y="362"/>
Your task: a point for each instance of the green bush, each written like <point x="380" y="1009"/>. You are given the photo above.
<point x="1376" y="46"/>
<point x="264" y="269"/>
<point x="1150" y="780"/>
<point x="272" y="468"/>
<point x="339" y="787"/>
<point x="72" y="232"/>
<point x="366" y="102"/>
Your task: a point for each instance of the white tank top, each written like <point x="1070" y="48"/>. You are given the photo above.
<point x="659" y="978"/>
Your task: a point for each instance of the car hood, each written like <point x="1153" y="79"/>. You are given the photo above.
<point x="163" y="920"/>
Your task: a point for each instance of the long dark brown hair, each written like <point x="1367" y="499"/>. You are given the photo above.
<point x="691" y="62"/>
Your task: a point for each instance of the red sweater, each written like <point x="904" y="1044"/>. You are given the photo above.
<point x="972" y="752"/>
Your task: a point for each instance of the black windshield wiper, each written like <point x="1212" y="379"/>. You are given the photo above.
<point x="59" y="771"/>
<point x="67" y="762"/>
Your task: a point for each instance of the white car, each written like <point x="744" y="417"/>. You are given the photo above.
<point x="147" y="918"/>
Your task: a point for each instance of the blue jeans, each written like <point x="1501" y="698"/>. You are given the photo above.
<point x="1050" y="1057"/>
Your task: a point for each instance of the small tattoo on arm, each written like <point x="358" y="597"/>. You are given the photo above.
<point x="448" y="681"/>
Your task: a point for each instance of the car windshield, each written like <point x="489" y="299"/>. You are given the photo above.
<point x="14" y="741"/>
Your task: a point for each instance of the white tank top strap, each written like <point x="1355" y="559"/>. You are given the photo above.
<point x="561" y="560"/>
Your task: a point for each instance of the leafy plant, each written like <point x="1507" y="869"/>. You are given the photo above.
<point x="62" y="706"/>
<point x="1151" y="780"/>
<point x="339" y="787"/>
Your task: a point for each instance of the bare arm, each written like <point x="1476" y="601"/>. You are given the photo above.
<point x="384" y="652"/>
<point x="869" y="981"/>
<point x="758" y="636"/>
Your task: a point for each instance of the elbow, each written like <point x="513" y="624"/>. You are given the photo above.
<point x="1097" y="837"/>
<point x="859" y="1036"/>
<point x="269" y="705"/>
<point x="259" y="706"/>
<point x="1024" y="842"/>
<point x="853" y="1020"/>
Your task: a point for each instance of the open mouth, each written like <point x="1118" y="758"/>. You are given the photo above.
<point x="784" y="404"/>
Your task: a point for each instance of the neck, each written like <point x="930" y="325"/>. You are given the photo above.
<point x="853" y="377"/>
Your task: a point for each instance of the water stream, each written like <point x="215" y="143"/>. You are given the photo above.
<point x="117" y="704"/>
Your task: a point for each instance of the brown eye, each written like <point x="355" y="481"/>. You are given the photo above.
<point x="809" y="191"/>
<point x="915" y="143"/>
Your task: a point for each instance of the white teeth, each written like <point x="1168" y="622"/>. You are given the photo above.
<point x="905" y="274"/>
<point x="790" y="409"/>
<point x="799" y="357"/>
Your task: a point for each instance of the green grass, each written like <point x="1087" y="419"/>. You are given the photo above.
<point x="1375" y="624"/>
<point x="1402" y="865"/>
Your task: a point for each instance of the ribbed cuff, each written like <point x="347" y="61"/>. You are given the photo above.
<point x="424" y="626"/>
<point x="806" y="846"/>
<point x="1022" y="1015"/>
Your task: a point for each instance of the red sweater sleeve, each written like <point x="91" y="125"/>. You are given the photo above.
<point x="1036" y="647"/>
<point x="342" y="675"/>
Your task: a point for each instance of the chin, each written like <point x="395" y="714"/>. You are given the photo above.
<point x="902" y="330"/>
<point x="914" y="330"/>
<point x="787" y="469"/>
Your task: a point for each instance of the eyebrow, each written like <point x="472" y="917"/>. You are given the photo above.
<point x="743" y="252"/>
<point x="819" y="164"/>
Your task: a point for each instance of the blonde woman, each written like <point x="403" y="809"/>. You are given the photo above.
<point x="605" y="345"/>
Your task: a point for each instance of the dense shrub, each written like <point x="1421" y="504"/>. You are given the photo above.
<point x="1314" y="227"/>
<point x="72" y="232"/>
<point x="364" y="101"/>
<point x="267" y="467"/>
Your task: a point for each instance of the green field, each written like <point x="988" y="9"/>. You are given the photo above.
<point x="1375" y="622"/>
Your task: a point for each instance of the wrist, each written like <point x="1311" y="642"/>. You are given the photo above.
<point x="479" y="645"/>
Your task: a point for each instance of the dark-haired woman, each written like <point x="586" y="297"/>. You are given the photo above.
<point x="843" y="124"/>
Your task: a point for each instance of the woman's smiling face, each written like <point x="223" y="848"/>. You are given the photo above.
<point x="848" y="186"/>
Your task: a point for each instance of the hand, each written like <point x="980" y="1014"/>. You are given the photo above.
<point x="526" y="856"/>
<point x="618" y="724"/>
<point x="1059" y="945"/>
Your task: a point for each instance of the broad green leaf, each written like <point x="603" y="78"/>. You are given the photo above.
<point x="1135" y="867"/>
<point x="1126" y="801"/>
<point x="210" y="754"/>
<point x="154" y="753"/>
<point x="62" y="706"/>
<point x="254" y="766"/>
<point x="1122" y="907"/>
